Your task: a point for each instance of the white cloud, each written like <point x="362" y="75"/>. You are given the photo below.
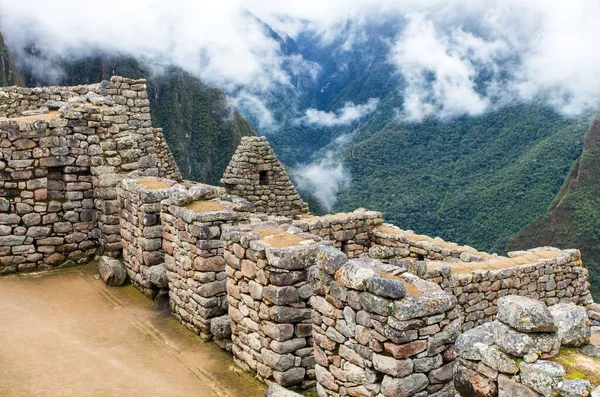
<point x="440" y="50"/>
<point x="439" y="79"/>
<point x="251" y="105"/>
<point x="323" y="179"/>
<point x="346" y="115"/>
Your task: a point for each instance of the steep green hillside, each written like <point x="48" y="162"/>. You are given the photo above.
<point x="8" y="72"/>
<point x="573" y="218"/>
<point x="474" y="180"/>
<point x="202" y="128"/>
<point x="200" y="125"/>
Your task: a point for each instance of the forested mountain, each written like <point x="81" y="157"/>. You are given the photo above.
<point x="476" y="180"/>
<point x="9" y="75"/>
<point x="573" y="217"/>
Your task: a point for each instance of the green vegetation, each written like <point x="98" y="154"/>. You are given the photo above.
<point x="573" y="217"/>
<point x="579" y="366"/>
<point x="201" y="127"/>
<point x="474" y="180"/>
<point x="9" y="75"/>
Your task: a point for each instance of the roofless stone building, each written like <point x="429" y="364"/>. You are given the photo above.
<point x="256" y="174"/>
<point x="342" y="302"/>
<point x="63" y="150"/>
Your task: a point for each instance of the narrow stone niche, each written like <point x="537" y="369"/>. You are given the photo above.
<point x="56" y="183"/>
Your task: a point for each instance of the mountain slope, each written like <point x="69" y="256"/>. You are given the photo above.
<point x="474" y="180"/>
<point x="8" y="72"/>
<point x="573" y="218"/>
<point x="200" y="125"/>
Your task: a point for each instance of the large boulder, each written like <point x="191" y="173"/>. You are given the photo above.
<point x="157" y="275"/>
<point x="466" y="342"/>
<point x="112" y="271"/>
<point x="521" y="343"/>
<point x="542" y="376"/>
<point x="573" y="324"/>
<point x="525" y="314"/>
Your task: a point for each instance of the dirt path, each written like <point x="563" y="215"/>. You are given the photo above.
<point x="65" y="333"/>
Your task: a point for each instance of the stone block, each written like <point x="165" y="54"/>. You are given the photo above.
<point x="112" y="271"/>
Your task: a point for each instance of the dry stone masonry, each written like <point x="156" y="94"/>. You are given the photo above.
<point x="529" y="350"/>
<point x="545" y="274"/>
<point x="380" y="334"/>
<point x="268" y="293"/>
<point x="142" y="232"/>
<point x="342" y="302"/>
<point x="63" y="150"/>
<point x="349" y="232"/>
<point x="256" y="174"/>
<point x="192" y="222"/>
<point x="167" y="168"/>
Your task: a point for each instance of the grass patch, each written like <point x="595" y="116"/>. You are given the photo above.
<point x="579" y="366"/>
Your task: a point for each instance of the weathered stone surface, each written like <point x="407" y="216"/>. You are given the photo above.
<point x="525" y="314"/>
<point x="157" y="275"/>
<point x="507" y="387"/>
<point x="330" y="259"/>
<point x="275" y="390"/>
<point x="220" y="327"/>
<point x="573" y="324"/>
<point x="405" y="387"/>
<point x="542" y="376"/>
<point x="355" y="273"/>
<point x="387" y="288"/>
<point x="391" y="366"/>
<point x="112" y="271"/>
<point x="467" y="342"/>
<point x="574" y="388"/>
<point x="496" y="359"/>
<point x="473" y="384"/>
<point x="520" y="343"/>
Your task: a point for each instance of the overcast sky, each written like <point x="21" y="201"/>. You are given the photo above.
<point x="555" y="42"/>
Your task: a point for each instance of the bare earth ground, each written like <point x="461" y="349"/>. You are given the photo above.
<point x="65" y="333"/>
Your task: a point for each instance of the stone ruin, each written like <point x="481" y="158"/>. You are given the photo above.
<point x="256" y="174"/>
<point x="63" y="150"/>
<point x="344" y="303"/>
<point x="529" y="350"/>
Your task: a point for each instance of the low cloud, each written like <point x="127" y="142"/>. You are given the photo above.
<point x="348" y="114"/>
<point x="454" y="57"/>
<point x="253" y="106"/>
<point x="323" y="179"/>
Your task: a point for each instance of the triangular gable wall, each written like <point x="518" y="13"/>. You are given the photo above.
<point x="256" y="174"/>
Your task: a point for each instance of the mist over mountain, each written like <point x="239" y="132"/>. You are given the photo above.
<point x="458" y="119"/>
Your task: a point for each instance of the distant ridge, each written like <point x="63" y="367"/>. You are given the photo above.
<point x="573" y="217"/>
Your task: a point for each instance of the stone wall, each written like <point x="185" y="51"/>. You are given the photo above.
<point x="390" y="242"/>
<point x="47" y="214"/>
<point x="379" y="334"/>
<point x="142" y="231"/>
<point x="256" y="174"/>
<point x="350" y="233"/>
<point x="192" y="223"/>
<point x="268" y="292"/>
<point x="63" y="150"/>
<point x="546" y="274"/>
<point x="167" y="168"/>
<point x="524" y="352"/>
